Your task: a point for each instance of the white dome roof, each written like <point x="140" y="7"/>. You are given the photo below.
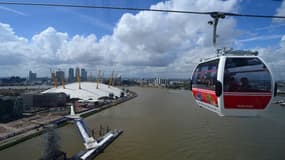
<point x="88" y="91"/>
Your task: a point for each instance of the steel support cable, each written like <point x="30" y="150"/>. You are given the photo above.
<point x="137" y="9"/>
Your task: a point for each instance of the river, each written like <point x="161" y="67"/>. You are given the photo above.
<point x="167" y="125"/>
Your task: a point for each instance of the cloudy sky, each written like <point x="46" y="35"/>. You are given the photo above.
<point x="134" y="44"/>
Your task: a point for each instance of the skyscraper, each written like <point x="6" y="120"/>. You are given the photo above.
<point x="59" y="76"/>
<point x="83" y="74"/>
<point x="32" y="76"/>
<point x="71" y="77"/>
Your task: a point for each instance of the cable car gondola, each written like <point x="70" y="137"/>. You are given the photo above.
<point x="234" y="83"/>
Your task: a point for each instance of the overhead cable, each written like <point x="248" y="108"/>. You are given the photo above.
<point x="137" y="9"/>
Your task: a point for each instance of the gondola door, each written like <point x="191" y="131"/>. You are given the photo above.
<point x="247" y="86"/>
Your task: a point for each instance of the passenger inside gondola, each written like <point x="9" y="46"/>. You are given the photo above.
<point x="244" y="84"/>
<point x="233" y="85"/>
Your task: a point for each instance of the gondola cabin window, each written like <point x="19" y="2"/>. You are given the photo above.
<point x="246" y="75"/>
<point x="205" y="75"/>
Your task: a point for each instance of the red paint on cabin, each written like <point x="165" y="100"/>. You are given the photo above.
<point x="206" y="96"/>
<point x="246" y="100"/>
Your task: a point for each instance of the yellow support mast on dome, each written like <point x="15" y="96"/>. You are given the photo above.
<point x="111" y="79"/>
<point x="53" y="78"/>
<point x="78" y="78"/>
<point x="98" y="78"/>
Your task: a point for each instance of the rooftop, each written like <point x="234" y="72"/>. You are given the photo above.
<point x="88" y="91"/>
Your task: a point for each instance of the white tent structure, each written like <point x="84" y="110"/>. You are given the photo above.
<point x="88" y="91"/>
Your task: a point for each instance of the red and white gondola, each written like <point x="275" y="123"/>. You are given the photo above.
<point x="235" y="83"/>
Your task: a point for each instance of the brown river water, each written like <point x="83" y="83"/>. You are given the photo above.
<point x="167" y="125"/>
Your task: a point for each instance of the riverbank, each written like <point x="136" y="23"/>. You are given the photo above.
<point x="62" y="121"/>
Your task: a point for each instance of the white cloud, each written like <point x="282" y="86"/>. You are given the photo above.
<point x="283" y="39"/>
<point x="158" y="39"/>
<point x="280" y="12"/>
<point x="275" y="58"/>
<point x="12" y="47"/>
<point x="263" y="37"/>
<point x="8" y="35"/>
<point x="47" y="45"/>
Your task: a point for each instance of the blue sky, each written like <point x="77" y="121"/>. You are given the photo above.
<point x="31" y="20"/>
<point x="101" y="22"/>
<point x="134" y="43"/>
<point x="260" y="26"/>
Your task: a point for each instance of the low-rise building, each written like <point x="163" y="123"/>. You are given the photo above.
<point x="11" y="107"/>
<point x="44" y="100"/>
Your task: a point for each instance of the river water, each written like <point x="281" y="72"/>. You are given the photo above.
<point x="167" y="125"/>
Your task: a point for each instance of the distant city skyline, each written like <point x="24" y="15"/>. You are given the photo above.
<point x="136" y="44"/>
